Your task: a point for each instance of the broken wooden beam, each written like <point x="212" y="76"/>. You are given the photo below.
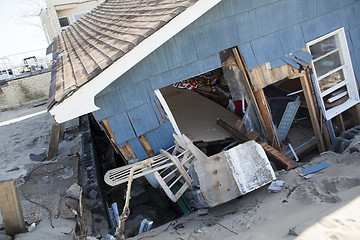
<point x="270" y="151"/>
<point x="311" y="105"/>
<point x="11" y="211"/>
<point x="54" y="141"/>
<point x="259" y="101"/>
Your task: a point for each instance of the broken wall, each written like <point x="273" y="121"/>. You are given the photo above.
<point x="265" y="31"/>
<point x="23" y="91"/>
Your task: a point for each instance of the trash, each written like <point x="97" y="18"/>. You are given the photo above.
<point x="110" y="237"/>
<point x="31" y="227"/>
<point x="197" y="231"/>
<point x="38" y="157"/>
<point x="316" y="168"/>
<point x="353" y="149"/>
<point x="309" y="175"/>
<point x="145" y="225"/>
<point x="13" y="169"/>
<point x="210" y="223"/>
<point x="202" y="212"/>
<point x="73" y="191"/>
<point x="276" y="185"/>
<point x="93" y="194"/>
<point x="91" y="238"/>
<point x="292" y="232"/>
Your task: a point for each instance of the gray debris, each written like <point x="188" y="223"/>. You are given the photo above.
<point x="73" y="191"/>
<point x="276" y="185"/>
<point x="3" y="236"/>
<point x="202" y="212"/>
<point x="93" y="194"/>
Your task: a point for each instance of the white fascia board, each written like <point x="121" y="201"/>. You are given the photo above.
<point x="82" y="101"/>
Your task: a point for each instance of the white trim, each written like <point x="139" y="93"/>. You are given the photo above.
<point x="349" y="77"/>
<point x="168" y="113"/>
<point x="82" y="100"/>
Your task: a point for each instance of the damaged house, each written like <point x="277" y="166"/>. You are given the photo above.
<point x="209" y="74"/>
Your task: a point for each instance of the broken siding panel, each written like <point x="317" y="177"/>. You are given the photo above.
<point x="137" y="148"/>
<point x="143" y="119"/>
<point x="291" y="38"/>
<point x="161" y="137"/>
<point x="249" y="56"/>
<point x="121" y="127"/>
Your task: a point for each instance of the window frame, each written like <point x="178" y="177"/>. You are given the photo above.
<point x="349" y="81"/>
<point x="67" y="17"/>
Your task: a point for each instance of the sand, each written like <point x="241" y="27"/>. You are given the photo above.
<point x="326" y="206"/>
<point x="26" y="131"/>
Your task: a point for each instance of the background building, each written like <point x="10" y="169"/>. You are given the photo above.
<point x="60" y="14"/>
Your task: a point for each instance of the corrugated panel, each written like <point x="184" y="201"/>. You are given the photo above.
<point x="143" y="119"/>
<point x="121" y="127"/>
<point x="291" y="38"/>
<point x="136" y="95"/>
<point x="161" y="137"/>
<point x="267" y="48"/>
<point x="138" y="149"/>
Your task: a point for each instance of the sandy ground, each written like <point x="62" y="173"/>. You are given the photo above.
<point x="42" y="185"/>
<point x="325" y="206"/>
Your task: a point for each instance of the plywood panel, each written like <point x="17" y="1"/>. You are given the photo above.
<point x="196" y="115"/>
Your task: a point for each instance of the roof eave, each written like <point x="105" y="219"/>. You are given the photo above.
<point x="82" y="101"/>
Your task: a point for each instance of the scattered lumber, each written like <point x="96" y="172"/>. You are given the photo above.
<point x="270" y="151"/>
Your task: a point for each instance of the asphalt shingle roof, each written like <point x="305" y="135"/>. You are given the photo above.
<point x="104" y="35"/>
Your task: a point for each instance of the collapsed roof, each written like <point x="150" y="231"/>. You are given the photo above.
<point x="117" y="35"/>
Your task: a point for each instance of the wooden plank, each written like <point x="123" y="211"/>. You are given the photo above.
<point x="108" y="129"/>
<point x="54" y="141"/>
<point x="272" y="152"/>
<point x="232" y="74"/>
<point x="310" y="102"/>
<point x="356" y="114"/>
<point x="130" y="150"/>
<point x="340" y="123"/>
<point x="62" y="131"/>
<point x="146" y="145"/>
<point x="268" y="123"/>
<point x="11" y="211"/>
<point x="259" y="102"/>
<point x="253" y="135"/>
<point x="326" y="133"/>
<point x="239" y="125"/>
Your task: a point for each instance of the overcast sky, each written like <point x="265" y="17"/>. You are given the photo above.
<point x="19" y="34"/>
